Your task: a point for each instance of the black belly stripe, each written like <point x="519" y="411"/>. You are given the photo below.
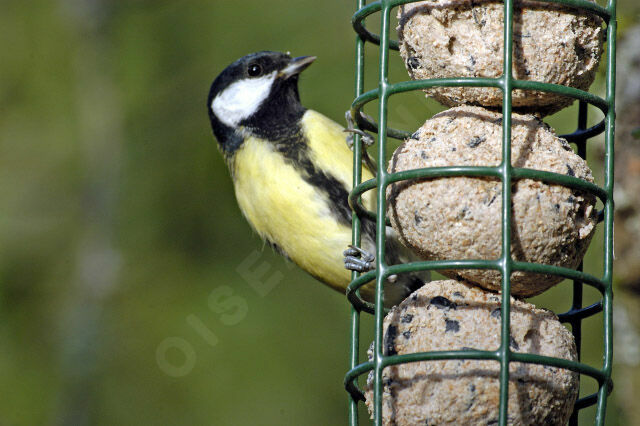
<point x="284" y="131"/>
<point x="296" y="151"/>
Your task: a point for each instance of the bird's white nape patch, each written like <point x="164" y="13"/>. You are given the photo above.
<point x="241" y="99"/>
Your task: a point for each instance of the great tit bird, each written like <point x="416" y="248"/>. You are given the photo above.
<point x="292" y="172"/>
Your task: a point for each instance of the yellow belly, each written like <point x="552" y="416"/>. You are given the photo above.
<point x="286" y="210"/>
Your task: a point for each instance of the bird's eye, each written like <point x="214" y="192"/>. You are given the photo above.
<point x="254" y="70"/>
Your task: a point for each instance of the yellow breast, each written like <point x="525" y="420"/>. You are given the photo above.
<point x="285" y="209"/>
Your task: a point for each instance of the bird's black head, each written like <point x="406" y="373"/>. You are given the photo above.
<point x="256" y="95"/>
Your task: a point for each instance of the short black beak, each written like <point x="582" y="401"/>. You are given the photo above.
<point x="296" y="66"/>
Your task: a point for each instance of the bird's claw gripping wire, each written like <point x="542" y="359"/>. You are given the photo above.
<point x="366" y="138"/>
<point x="359" y="260"/>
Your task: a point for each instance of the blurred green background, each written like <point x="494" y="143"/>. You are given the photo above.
<point x="131" y="289"/>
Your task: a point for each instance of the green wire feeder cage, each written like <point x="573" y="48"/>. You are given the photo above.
<point x="506" y="174"/>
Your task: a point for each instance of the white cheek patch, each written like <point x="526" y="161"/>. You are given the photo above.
<point x="241" y="99"/>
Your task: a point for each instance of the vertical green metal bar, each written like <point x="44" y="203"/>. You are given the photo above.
<point x="576" y="330"/>
<point x="381" y="208"/>
<point x="608" y="212"/>
<point x="583" y="113"/>
<point x="355" y="236"/>
<point x="507" y="79"/>
<point x="577" y="299"/>
<point x="354" y="356"/>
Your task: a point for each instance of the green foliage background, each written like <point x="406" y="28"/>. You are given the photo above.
<point x="119" y="221"/>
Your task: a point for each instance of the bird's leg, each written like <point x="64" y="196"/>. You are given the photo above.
<point x="359" y="260"/>
<point x="367" y="139"/>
